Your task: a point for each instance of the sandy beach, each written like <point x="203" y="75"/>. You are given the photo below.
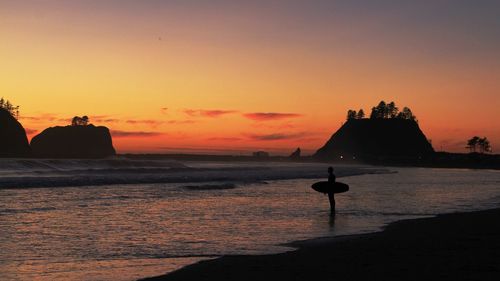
<point x="462" y="246"/>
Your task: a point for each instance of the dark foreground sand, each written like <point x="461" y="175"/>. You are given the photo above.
<point x="462" y="246"/>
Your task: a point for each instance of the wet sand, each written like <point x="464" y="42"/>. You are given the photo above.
<point x="464" y="246"/>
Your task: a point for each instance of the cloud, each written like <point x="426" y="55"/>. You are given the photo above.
<point x="41" y="117"/>
<point x="66" y="120"/>
<point x="275" y="136"/>
<point x="107" y="120"/>
<point x="208" y="113"/>
<point x="181" y="121"/>
<point x="274" y="126"/>
<point x="103" y="119"/>
<point x="216" y="113"/>
<point x="50" y="117"/>
<point x="269" y="116"/>
<point x="204" y="150"/>
<point x="120" y="134"/>
<point x="150" y="122"/>
<point x="190" y="112"/>
<point x="223" y="139"/>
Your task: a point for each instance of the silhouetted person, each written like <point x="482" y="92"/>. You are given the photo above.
<point x="331" y="195"/>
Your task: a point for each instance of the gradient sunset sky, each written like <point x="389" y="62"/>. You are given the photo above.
<point x="238" y="76"/>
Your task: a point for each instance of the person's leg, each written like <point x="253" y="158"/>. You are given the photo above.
<point x="331" y="197"/>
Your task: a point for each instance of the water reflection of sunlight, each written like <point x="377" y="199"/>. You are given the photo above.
<point x="64" y="233"/>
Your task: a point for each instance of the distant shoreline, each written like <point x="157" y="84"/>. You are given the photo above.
<point x="459" y="246"/>
<point x="437" y="160"/>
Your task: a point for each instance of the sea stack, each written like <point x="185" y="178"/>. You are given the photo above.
<point x="13" y="140"/>
<point x="296" y="154"/>
<point x="81" y="141"/>
<point x="376" y="139"/>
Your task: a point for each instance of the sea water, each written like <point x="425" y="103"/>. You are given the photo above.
<point x="130" y="231"/>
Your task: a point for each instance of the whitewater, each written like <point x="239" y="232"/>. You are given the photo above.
<point x="23" y="173"/>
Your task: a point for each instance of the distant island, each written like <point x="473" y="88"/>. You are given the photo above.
<point x="376" y="139"/>
<point x="387" y="135"/>
<point x="393" y="137"/>
<point x="79" y="140"/>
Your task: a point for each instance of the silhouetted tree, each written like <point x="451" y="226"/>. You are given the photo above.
<point x="361" y="114"/>
<point x="391" y="110"/>
<point x="473" y="143"/>
<point x="351" y="114"/>
<point x="374" y="113"/>
<point x="484" y="145"/>
<point x="12" y="109"/>
<point x="80" y="121"/>
<point x="406" y="114"/>
<point x="379" y="111"/>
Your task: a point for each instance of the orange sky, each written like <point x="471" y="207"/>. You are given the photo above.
<point x="187" y="76"/>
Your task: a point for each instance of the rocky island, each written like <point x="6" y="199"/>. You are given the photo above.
<point x="13" y="140"/>
<point x="386" y="135"/>
<point x="79" y="140"/>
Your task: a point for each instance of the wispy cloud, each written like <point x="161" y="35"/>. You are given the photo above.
<point x="269" y="116"/>
<point x="120" y="134"/>
<point x="50" y="117"/>
<point x="275" y="126"/>
<point x="44" y="117"/>
<point x="150" y="122"/>
<point x="103" y="119"/>
<point x="223" y="139"/>
<point x="204" y="150"/>
<point x="214" y="113"/>
<point x="181" y="121"/>
<point x="275" y="136"/>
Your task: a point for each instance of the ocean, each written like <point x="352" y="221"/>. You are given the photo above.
<point x="125" y="219"/>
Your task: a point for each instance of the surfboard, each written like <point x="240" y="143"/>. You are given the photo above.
<point x="325" y="187"/>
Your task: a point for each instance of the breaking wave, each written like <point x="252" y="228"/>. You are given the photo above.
<point x="26" y="173"/>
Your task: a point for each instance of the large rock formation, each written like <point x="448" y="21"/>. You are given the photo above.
<point x="73" y="142"/>
<point x="13" y="140"/>
<point x="376" y="139"/>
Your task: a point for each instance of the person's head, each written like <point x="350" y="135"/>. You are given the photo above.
<point x="330" y="169"/>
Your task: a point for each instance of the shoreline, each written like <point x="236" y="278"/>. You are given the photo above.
<point x="456" y="246"/>
<point x="439" y="159"/>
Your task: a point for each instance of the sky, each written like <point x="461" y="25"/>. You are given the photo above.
<point x="231" y="77"/>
